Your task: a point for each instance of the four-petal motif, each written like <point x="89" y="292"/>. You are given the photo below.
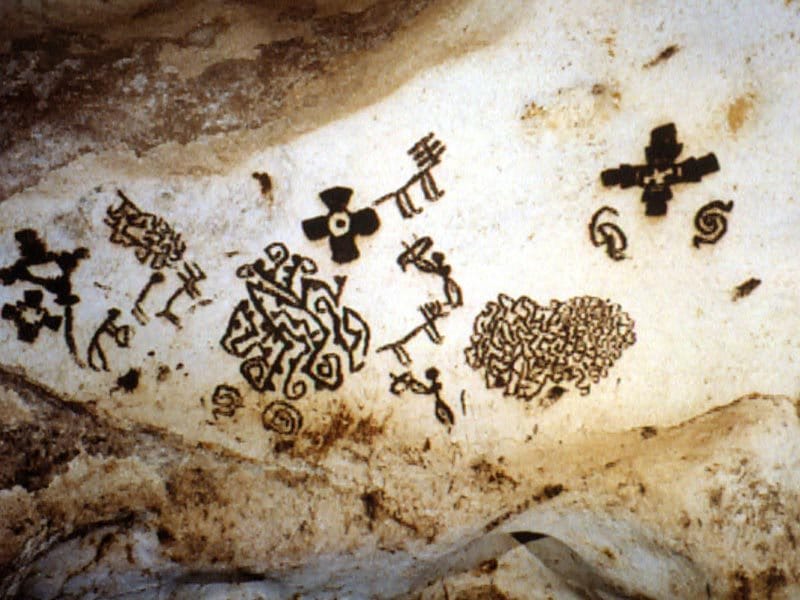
<point x="340" y="225"/>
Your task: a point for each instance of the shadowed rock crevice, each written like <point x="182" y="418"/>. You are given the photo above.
<point x="68" y="91"/>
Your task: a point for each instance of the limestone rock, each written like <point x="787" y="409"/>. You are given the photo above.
<point x="413" y="299"/>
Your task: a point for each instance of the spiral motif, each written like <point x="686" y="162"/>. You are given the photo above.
<point x="277" y="252"/>
<point x="711" y="221"/>
<point x="226" y="399"/>
<point x="608" y="234"/>
<point x="282" y="418"/>
<point x="294" y="390"/>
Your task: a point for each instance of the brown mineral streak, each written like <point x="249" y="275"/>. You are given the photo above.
<point x="739" y="111"/>
<point x="200" y="501"/>
<point x="87" y="87"/>
<point x="663" y="56"/>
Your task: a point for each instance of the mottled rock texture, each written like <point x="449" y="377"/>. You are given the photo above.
<point x="89" y="77"/>
<point x="657" y="512"/>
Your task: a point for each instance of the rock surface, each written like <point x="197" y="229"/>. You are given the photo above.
<point x="415" y="299"/>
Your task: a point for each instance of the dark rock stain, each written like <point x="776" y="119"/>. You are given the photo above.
<point x="283" y="446"/>
<point x="551" y="491"/>
<point x="164" y="536"/>
<point x="129" y="381"/>
<point x="554" y="394"/>
<point x="372" y="502"/>
<point x="648" y="432"/>
<point x="122" y="520"/>
<point x="376" y="505"/>
<point x="264" y="181"/>
<point x="490" y="474"/>
<point x="745" y="289"/>
<point x="315" y="444"/>
<point x="103" y="547"/>
<point x="39" y="450"/>
<point x="772" y="580"/>
<point x="163" y="373"/>
<point x="194" y="487"/>
<point x="663" y="56"/>
<point x="489" y="566"/>
<point x="36" y="452"/>
<point x="741" y="586"/>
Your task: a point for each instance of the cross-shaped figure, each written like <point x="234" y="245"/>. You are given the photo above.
<point x="340" y="225"/>
<point x="661" y="171"/>
<point x="34" y="255"/>
<point x="30" y="316"/>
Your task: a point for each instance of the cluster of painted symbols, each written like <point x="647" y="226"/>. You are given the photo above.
<point x="155" y="244"/>
<point x="341" y="225"/>
<point x="656" y="178"/>
<point x="419" y="256"/>
<point x="291" y="331"/>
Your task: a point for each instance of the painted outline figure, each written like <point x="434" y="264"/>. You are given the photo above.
<point x="121" y="334"/>
<point x="427" y="153"/>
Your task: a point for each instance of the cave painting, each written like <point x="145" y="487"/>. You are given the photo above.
<point x="340" y="225"/>
<point x="660" y="171"/>
<point x="291" y="331"/>
<point x="605" y="233"/>
<point x="30" y="315"/>
<point x="427" y="154"/>
<point x="522" y="347"/>
<point x="156" y="244"/>
<point x="711" y="222"/>
<point x="415" y="254"/>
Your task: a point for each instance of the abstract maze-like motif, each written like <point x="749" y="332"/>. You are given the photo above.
<point x="521" y="346"/>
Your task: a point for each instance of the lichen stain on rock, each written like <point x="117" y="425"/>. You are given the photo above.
<point x="739" y="111"/>
<point x="341" y="426"/>
<point x="71" y="91"/>
<point x="572" y="108"/>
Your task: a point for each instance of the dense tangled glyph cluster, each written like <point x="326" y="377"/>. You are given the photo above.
<point x="292" y="332"/>
<point x="151" y="237"/>
<point x="521" y="346"/>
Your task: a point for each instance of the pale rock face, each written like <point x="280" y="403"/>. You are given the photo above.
<point x="409" y="299"/>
